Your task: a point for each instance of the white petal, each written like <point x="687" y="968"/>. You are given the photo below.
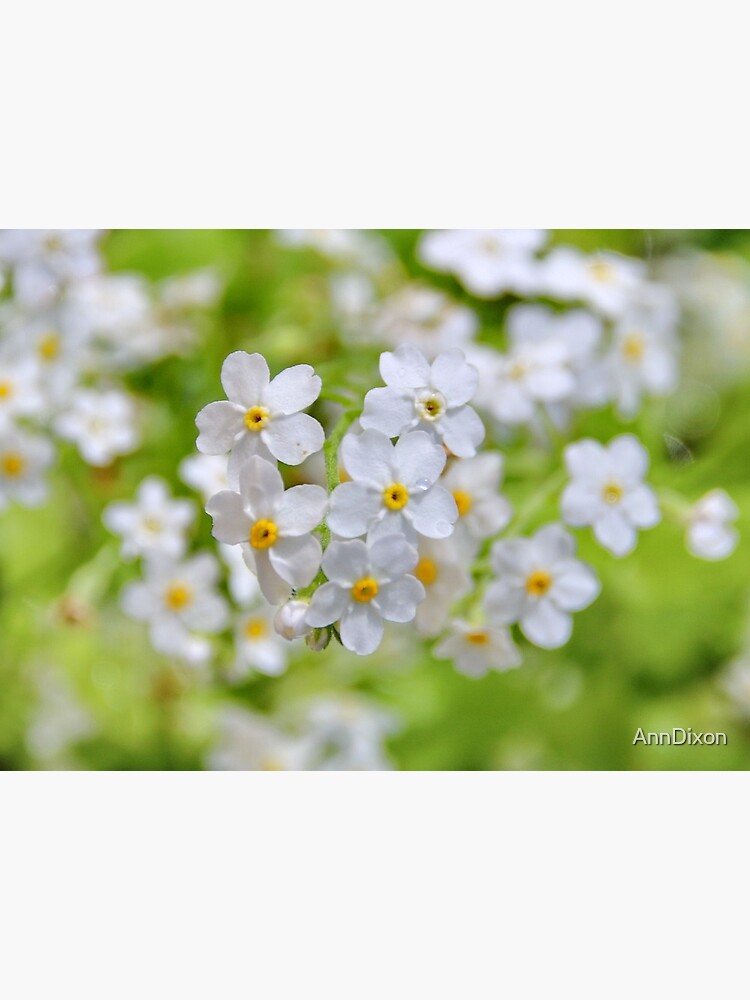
<point x="296" y="560"/>
<point x="545" y="625"/>
<point x="615" y="532"/>
<point x="453" y="376"/>
<point x="398" y="601"/>
<point x="353" y="506"/>
<point x="346" y="562"/>
<point x="628" y="456"/>
<point x="514" y="557"/>
<point x="709" y="540"/>
<point x="433" y="513"/>
<point x="404" y="368"/>
<point x="418" y="457"/>
<point x="137" y="601"/>
<point x="368" y="458"/>
<point x="553" y="544"/>
<point x="120" y="518"/>
<point x="393" y="555"/>
<point x="261" y="486"/>
<point x="575" y="587"/>
<point x="293" y="389"/>
<point x="231" y="521"/>
<point x="275" y="589"/>
<point x="209" y="613"/>
<point x="291" y="439"/>
<point x="301" y="509"/>
<point x="581" y="502"/>
<point x="462" y="431"/>
<point x="586" y="459"/>
<point x="218" y="424"/>
<point x="245" y="378"/>
<point x="248" y="446"/>
<point x="361" y="628"/>
<point x="504" y="601"/>
<point x="550" y="384"/>
<point x="641" y="507"/>
<point x="388" y="410"/>
<point x="327" y="605"/>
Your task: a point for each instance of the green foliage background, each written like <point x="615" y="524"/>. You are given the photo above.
<point x="647" y="653"/>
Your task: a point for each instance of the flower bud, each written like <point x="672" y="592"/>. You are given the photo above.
<point x="319" y="638"/>
<point x="289" y="620"/>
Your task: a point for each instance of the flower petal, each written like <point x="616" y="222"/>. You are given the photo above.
<point x="615" y="532"/>
<point x="261" y="486"/>
<point x="274" y="588"/>
<point x="397" y="601"/>
<point x="462" y="431"/>
<point x="404" y="368"/>
<point x="575" y="587"/>
<point x="353" y="507"/>
<point x="553" y="544"/>
<point x="453" y="376"/>
<point x="418" y="458"/>
<point x="641" y="507"/>
<point x="292" y="438"/>
<point x="361" y="628"/>
<point x="327" y="605"/>
<point x="393" y="556"/>
<point x="434" y="513"/>
<point x="296" y="560"/>
<point x="388" y="410"/>
<point x="293" y="389"/>
<point x="586" y="459"/>
<point x="368" y="458"/>
<point x="245" y="378"/>
<point x="346" y="562"/>
<point x="300" y="509"/>
<point x="504" y="601"/>
<point x="545" y="625"/>
<point x="218" y="424"/>
<point x="628" y="456"/>
<point x="231" y="521"/>
<point x="581" y="502"/>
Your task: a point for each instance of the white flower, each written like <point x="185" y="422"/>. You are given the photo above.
<point x="261" y="416"/>
<point x="243" y="583"/>
<point x="206" y="474"/>
<point x="474" y="484"/>
<point x="20" y="394"/>
<point x="710" y="534"/>
<point x="58" y="720"/>
<point x="43" y="260"/>
<point x="257" y="645"/>
<point x="607" y="491"/>
<point x="530" y="373"/>
<point x="735" y="682"/>
<point x="359" y="248"/>
<point x="444" y="577"/>
<point x="102" y="425"/>
<point x="367" y="583"/>
<point x="176" y="599"/>
<point x="477" y="649"/>
<point x="539" y="584"/>
<point x="392" y="488"/>
<point x="431" y="397"/>
<point x="345" y="733"/>
<point x="154" y="524"/>
<point x="289" y="620"/>
<point x="643" y="359"/>
<point x="273" y="526"/>
<point x="24" y="458"/>
<point x="606" y="281"/>
<point x="248" y="742"/>
<point x="487" y="262"/>
<point x="426" y="319"/>
<point x="190" y="291"/>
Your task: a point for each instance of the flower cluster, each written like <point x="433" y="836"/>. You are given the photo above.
<point x="68" y="330"/>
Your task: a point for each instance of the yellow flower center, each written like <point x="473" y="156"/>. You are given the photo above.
<point x="6" y="390"/>
<point x="178" y="596"/>
<point x="365" y="589"/>
<point x="538" y="582"/>
<point x="612" y="493"/>
<point x="13" y="464"/>
<point x="152" y="524"/>
<point x="430" y="405"/>
<point x="48" y="347"/>
<point x="633" y="347"/>
<point x="256" y="628"/>
<point x="602" y="271"/>
<point x="395" y="496"/>
<point x="426" y="572"/>
<point x="256" y="418"/>
<point x="271" y="763"/>
<point x="518" y="370"/>
<point x="463" y="502"/>
<point x="479" y="637"/>
<point x="263" y="534"/>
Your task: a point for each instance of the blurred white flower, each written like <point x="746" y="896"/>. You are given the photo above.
<point x="42" y="261"/>
<point x="392" y="488"/>
<point x="735" y="682"/>
<point x="477" y="649"/>
<point x="243" y="583"/>
<point x="178" y="599"/>
<point x="487" y="262"/>
<point x="346" y="733"/>
<point x="474" y="484"/>
<point x="367" y="583"/>
<point x="605" y="281"/>
<point x="427" y="397"/>
<point x="248" y="742"/>
<point x="643" y="357"/>
<point x="607" y="491"/>
<point x="273" y="525"/>
<point x="257" y="646"/>
<point x="196" y="290"/>
<point x="20" y="393"/>
<point x="539" y="584"/>
<point x="24" y="459"/>
<point x="57" y="721"/>
<point x="424" y="318"/>
<point x="154" y="524"/>
<point x="100" y="423"/>
<point x="206" y="474"/>
<point x="710" y="532"/>
<point x="261" y="416"/>
<point x="443" y="574"/>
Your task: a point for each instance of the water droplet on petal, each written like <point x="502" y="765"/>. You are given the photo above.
<point x="423" y="484"/>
